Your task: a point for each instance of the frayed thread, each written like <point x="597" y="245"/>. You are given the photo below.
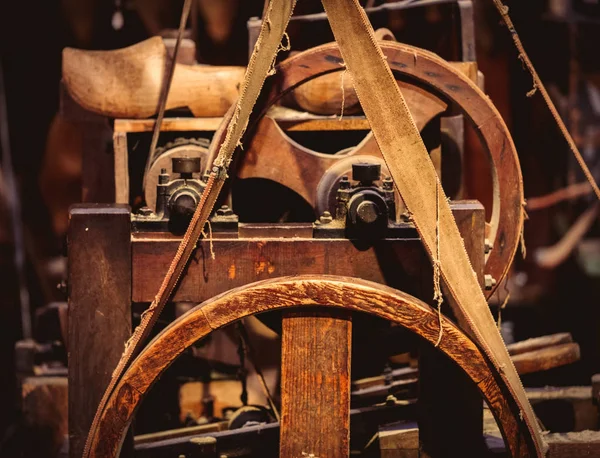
<point x="437" y="291"/>
<point x="210" y="239"/>
<point x="343" y="92"/>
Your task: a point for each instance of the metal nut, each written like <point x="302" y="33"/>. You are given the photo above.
<point x="145" y="211"/>
<point x="487" y="246"/>
<point x="489" y="281"/>
<point x="326" y="218"/>
<point x="224" y="211"/>
<point x="388" y="184"/>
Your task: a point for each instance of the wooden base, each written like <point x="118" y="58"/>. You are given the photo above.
<point x="315" y="384"/>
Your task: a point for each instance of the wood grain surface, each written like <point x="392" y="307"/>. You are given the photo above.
<point x="99" y="281"/>
<point x="315" y="384"/>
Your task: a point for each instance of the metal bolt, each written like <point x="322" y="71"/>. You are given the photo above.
<point x="345" y="182"/>
<point x="388" y="184"/>
<point x="490" y="281"/>
<point x="145" y="211"/>
<point x="224" y="211"/>
<point x="62" y="287"/>
<point x="487" y="246"/>
<point x="368" y="212"/>
<point x="326" y="218"/>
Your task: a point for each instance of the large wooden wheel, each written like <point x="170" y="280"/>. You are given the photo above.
<point x="302" y="294"/>
<point x="429" y="84"/>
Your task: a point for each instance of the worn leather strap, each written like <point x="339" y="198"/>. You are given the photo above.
<point x="415" y="177"/>
<point x="409" y="165"/>
<point x="276" y="16"/>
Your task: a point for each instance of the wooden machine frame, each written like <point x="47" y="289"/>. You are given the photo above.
<point x="110" y="267"/>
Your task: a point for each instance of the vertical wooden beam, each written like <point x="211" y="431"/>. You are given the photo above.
<point x="315" y="384"/>
<point x="450" y="408"/>
<point x="121" y="167"/>
<point x="99" y="284"/>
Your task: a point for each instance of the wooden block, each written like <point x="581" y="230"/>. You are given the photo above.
<point x="537" y="343"/>
<point x="44" y="408"/>
<point x="546" y="358"/>
<point x="568" y="408"/>
<point x="99" y="283"/>
<point x="573" y="445"/>
<point x="401" y="441"/>
<point x="315" y="384"/>
<point x="121" y="168"/>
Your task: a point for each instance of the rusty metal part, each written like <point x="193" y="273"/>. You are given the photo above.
<point x="180" y="148"/>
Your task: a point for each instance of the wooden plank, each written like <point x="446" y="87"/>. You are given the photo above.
<point x="315" y="384"/>
<point x="121" y="168"/>
<point x="573" y="445"/>
<point x="296" y="122"/>
<point x="399" y="440"/>
<point x="547" y="358"/>
<point x="99" y="281"/>
<point x="537" y="343"/>
<point x="400" y="263"/>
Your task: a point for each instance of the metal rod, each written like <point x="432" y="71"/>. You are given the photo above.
<point x="402" y="5"/>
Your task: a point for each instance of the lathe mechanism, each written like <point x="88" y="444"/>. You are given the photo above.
<point x="330" y="261"/>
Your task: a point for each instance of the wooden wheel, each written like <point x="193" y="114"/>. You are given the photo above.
<point x="300" y="295"/>
<point x="427" y="81"/>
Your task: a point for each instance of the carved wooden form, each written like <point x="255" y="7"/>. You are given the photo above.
<point x="127" y="82"/>
<point x="349" y="294"/>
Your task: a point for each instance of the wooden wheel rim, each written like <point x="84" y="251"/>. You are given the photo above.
<point x="307" y="291"/>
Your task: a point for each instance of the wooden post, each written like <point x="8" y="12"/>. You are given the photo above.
<point x="315" y="384"/>
<point x="121" y="167"/>
<point x="450" y="408"/>
<point x="99" y="308"/>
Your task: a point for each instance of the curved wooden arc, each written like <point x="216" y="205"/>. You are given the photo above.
<point x="323" y="291"/>
<point x="274" y="156"/>
<point x="427" y="70"/>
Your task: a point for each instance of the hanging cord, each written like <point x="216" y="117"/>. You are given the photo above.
<point x="242" y="372"/>
<point x="502" y="306"/>
<point x="14" y="204"/>
<point x="251" y="356"/>
<point x="539" y="85"/>
<point x="343" y="91"/>
<point x="437" y="291"/>
<point x="164" y="95"/>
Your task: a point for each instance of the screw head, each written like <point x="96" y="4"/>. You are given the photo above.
<point x="388" y="184"/>
<point x="326" y="218"/>
<point x="145" y="211"/>
<point x="487" y="246"/>
<point x="489" y="281"/>
<point x="345" y="182"/>
<point x="224" y="211"/>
